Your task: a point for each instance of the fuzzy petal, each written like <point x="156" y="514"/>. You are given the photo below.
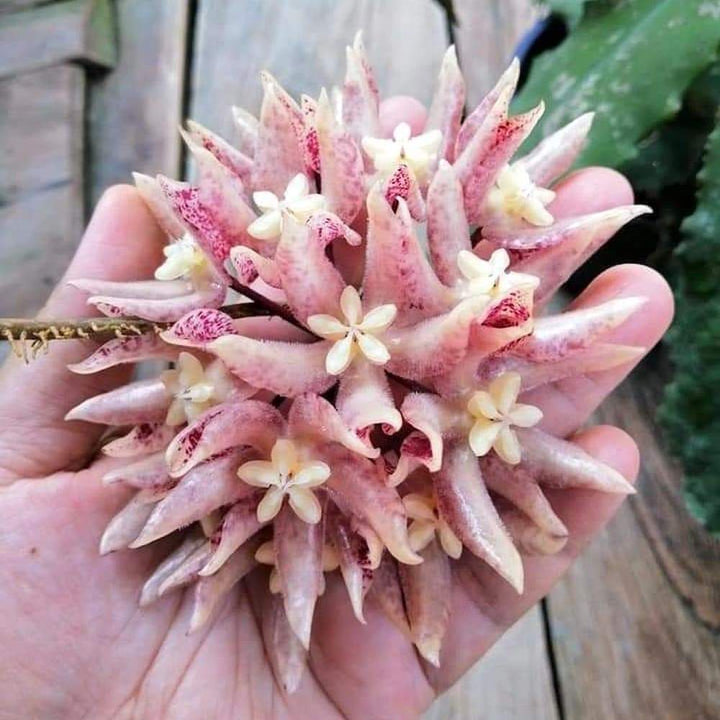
<point x="199" y="327"/>
<point x="249" y="265"/>
<point x="447" y="104"/>
<point x="146" y="474"/>
<point x="120" y="351"/>
<point x="232" y="158"/>
<point x="141" y="440"/>
<point x="230" y="424"/>
<point x="427" y="591"/>
<point x="144" y="401"/>
<point x="360" y="94"/>
<point x="465" y="504"/>
<point x="154" y="198"/>
<point x="284" y="368"/>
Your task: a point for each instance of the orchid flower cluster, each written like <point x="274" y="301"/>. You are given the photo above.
<point x="376" y="428"/>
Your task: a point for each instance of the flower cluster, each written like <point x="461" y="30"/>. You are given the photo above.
<point x="374" y="426"/>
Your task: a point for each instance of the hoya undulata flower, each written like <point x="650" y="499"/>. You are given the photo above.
<point x="378" y="421"/>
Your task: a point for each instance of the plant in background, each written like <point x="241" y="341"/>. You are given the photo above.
<point x="649" y="69"/>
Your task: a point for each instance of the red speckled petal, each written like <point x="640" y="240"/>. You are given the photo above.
<point x="447" y="104"/>
<point x="557" y="336"/>
<point x="433" y="346"/>
<point x="221" y="149"/>
<point x="279" y="152"/>
<point x="119" y="351"/>
<point x="355" y="564"/>
<point x="312" y="415"/>
<point x="528" y="537"/>
<point x="402" y="184"/>
<point x="364" y="399"/>
<point x="141" y="440"/>
<point x="168" y="566"/>
<point x="239" y="524"/>
<point x="427" y="591"/>
<point x="126" y="525"/>
<point x="249" y="265"/>
<point x="205" y="488"/>
<point x="284" y="368"/>
<point x="360" y="94"/>
<point x="231" y="424"/>
<point x="447" y="226"/>
<point x="520" y="488"/>
<point x="285" y="651"/>
<point x="558" y="463"/>
<point x="298" y="557"/>
<point x="150" y="473"/>
<point x="466" y="506"/>
<point x="211" y="590"/>
<point x="387" y="593"/>
<point x="341" y="164"/>
<point x="359" y="486"/>
<point x="139" y="402"/>
<point x="199" y="327"/>
<point x="554" y="156"/>
<point x="554" y="265"/>
<point x="396" y="268"/>
<point x="155" y="199"/>
<point x="310" y="281"/>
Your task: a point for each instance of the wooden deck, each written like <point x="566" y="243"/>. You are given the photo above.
<point x="90" y="91"/>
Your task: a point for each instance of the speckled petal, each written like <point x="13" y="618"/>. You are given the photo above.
<point x="360" y="94"/>
<point x="249" y="265"/>
<point x="447" y="104"/>
<point x="120" y="351"/>
<point x="152" y="194"/>
<point x="229" y="156"/>
<point x="141" y="440"/>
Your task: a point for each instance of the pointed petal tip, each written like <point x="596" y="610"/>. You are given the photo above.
<point x="429" y="649"/>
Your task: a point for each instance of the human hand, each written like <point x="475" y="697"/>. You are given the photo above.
<point x="73" y="642"/>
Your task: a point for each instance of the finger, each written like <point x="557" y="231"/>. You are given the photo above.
<point x="568" y="403"/>
<point x="121" y="242"/>
<point x="401" y="108"/>
<point x="590" y="190"/>
<point x="484" y="606"/>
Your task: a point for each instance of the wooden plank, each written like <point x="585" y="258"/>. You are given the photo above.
<point x="41" y="215"/>
<point x="73" y="31"/>
<point x="135" y="110"/>
<point x="512" y="682"/>
<point x="486" y="34"/>
<point x="635" y="622"/>
<point x="303" y="45"/>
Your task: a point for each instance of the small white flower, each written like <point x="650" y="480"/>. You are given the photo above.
<point x="516" y="194"/>
<point x="296" y="201"/>
<point x="490" y="277"/>
<point x="183" y="259"/>
<point x="356" y="332"/>
<point x="286" y="474"/>
<point x="426" y="523"/>
<point x="418" y="152"/>
<point x="495" y="412"/>
<point x="194" y="388"/>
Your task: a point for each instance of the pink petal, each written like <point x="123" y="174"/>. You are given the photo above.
<point x="284" y="368"/>
<point x="403" y="185"/>
<point x="298" y="557"/>
<point x="558" y="463"/>
<point x="142" y="439"/>
<point x="427" y="589"/>
<point x="239" y="524"/>
<point x="144" y="401"/>
<point x="313" y="416"/>
<point x="504" y="88"/>
<point x="341" y="164"/>
<point x="246" y="126"/>
<point x="387" y="593"/>
<point x="149" y="473"/>
<point x="232" y="158"/>
<point x="167" y="567"/>
<point x="138" y="289"/>
<point x="357" y="486"/>
<point x="211" y="590"/>
<point x="127" y="524"/>
<point x="187" y="571"/>
<point x="231" y="424"/>
<point x="554" y="156"/>
<point x="465" y="504"/>
<point x="279" y="151"/>
<point x="396" y="269"/>
<point x="447" y="226"/>
<point x="554" y="265"/>
<point x="448" y="104"/>
<point x="199" y="327"/>
<point x="557" y="336"/>
<point x="285" y="651"/>
<point x="152" y="194"/>
<point x="249" y="265"/>
<point x="205" y="488"/>
<point x="433" y="346"/>
<point x="530" y="538"/>
<point x="360" y="94"/>
<point x="490" y="149"/>
<point x="364" y="400"/>
<point x="119" y="351"/>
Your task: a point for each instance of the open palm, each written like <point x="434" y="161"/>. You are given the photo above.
<point x="73" y="641"/>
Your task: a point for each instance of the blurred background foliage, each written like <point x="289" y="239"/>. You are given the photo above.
<point x="650" y="70"/>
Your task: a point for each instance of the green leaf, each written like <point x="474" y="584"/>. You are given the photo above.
<point x="691" y="409"/>
<point x="631" y="64"/>
<point x="571" y="10"/>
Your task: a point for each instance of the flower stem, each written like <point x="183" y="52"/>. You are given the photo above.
<point x="29" y="337"/>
